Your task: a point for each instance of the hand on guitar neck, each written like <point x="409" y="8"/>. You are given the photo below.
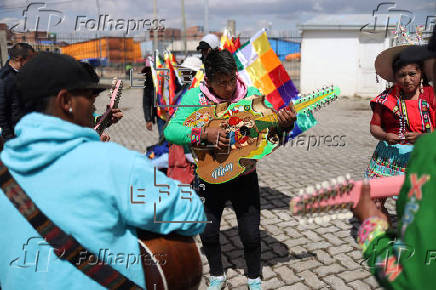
<point x="116" y="115"/>
<point x="287" y="117"/>
<point x="366" y="207"/>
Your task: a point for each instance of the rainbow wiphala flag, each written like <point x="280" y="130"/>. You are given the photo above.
<point x="259" y="66"/>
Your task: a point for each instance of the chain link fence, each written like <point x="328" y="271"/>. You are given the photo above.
<point x="114" y="54"/>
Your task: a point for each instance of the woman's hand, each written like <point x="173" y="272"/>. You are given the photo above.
<point x="287" y="117"/>
<point x="366" y="207"/>
<point x="216" y="136"/>
<point x="392" y="138"/>
<point x="412" y="136"/>
<point x="149" y="126"/>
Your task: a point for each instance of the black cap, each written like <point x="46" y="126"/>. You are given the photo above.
<point x="203" y="45"/>
<point x="48" y="73"/>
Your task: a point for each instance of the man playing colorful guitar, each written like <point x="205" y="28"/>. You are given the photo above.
<point x="222" y="84"/>
<point x="98" y="193"/>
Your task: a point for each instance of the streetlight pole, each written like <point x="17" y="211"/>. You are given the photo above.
<point x="155" y="34"/>
<point x="206" y="17"/>
<point x="99" y="40"/>
<point x="184" y="27"/>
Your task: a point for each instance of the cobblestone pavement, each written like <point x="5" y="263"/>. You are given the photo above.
<point x="293" y="256"/>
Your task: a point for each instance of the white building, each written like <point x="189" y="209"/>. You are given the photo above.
<point x="334" y="50"/>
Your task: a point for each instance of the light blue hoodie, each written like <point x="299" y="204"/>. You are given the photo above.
<point x="85" y="186"/>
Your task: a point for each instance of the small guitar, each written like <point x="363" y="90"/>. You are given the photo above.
<point x="170" y="262"/>
<point x="251" y="127"/>
<point x="338" y="197"/>
<point x="114" y="98"/>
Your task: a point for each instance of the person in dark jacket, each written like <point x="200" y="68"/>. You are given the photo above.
<point x="10" y="106"/>
<point x="150" y="112"/>
<point x="148" y="105"/>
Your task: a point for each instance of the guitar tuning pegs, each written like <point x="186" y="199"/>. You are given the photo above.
<point x="340" y="180"/>
<point x="326" y="218"/>
<point x="310" y="220"/>
<point x="310" y="189"/>
<point x="348" y="215"/>
<point x="341" y="215"/>
<point x="334" y="216"/>
<point x="333" y="182"/>
<point x="319" y="220"/>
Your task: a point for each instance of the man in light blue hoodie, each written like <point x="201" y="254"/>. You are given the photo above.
<point x="99" y="193"/>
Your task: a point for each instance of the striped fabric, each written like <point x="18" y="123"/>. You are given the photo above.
<point x="66" y="247"/>
<point x="165" y="95"/>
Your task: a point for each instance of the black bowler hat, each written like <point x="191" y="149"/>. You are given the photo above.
<point x="203" y="45"/>
<point x="48" y="73"/>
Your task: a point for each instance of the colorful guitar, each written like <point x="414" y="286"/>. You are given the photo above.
<point x="114" y="98"/>
<point x="170" y="262"/>
<point x="252" y="129"/>
<point x="338" y="197"/>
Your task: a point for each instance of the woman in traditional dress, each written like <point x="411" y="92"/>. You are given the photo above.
<point x="402" y="112"/>
<point x="405" y="258"/>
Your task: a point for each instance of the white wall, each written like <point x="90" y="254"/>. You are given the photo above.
<point x="335" y="57"/>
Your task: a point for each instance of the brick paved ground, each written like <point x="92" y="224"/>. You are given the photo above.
<point x="293" y="256"/>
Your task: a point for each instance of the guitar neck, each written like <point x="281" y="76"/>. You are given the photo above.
<point x="343" y="194"/>
<point x="381" y="187"/>
<point x="305" y="104"/>
<point x="117" y="86"/>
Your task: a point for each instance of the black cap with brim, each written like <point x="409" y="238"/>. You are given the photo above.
<point x="48" y="73"/>
<point x="203" y="45"/>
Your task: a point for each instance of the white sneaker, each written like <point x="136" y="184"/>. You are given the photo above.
<point x="255" y="284"/>
<point x="217" y="282"/>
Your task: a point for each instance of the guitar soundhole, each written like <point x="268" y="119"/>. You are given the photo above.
<point x="245" y="131"/>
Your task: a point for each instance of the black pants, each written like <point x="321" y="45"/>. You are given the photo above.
<point x="243" y="193"/>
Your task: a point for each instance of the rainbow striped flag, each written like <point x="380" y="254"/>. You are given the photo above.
<point x="165" y="94"/>
<point x="259" y="66"/>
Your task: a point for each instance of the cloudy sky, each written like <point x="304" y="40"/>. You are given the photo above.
<point x="251" y="15"/>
